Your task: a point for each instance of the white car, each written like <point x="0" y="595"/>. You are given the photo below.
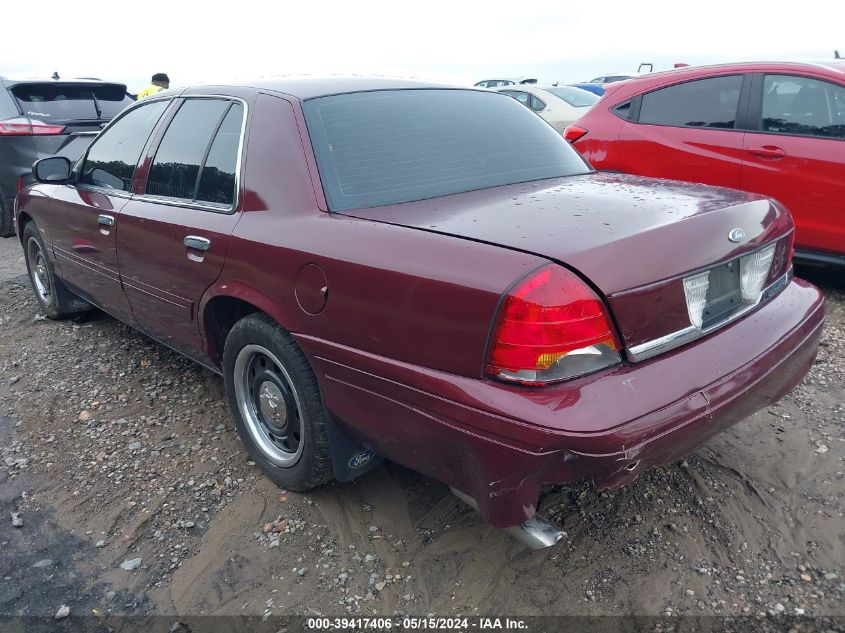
<point x="558" y="105"/>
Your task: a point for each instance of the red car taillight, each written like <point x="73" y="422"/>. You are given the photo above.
<point x="22" y="126"/>
<point x="551" y="327"/>
<point x="572" y="133"/>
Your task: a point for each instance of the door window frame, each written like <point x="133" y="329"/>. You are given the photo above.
<point x="742" y="115"/>
<point x="142" y="171"/>
<point x="755" y="109"/>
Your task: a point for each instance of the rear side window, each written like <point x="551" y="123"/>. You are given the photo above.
<point x="71" y="102"/>
<point x="113" y="155"/>
<point x="708" y="102"/>
<point x="538" y="105"/>
<point x="391" y="146"/>
<point x="522" y="97"/>
<point x="217" y="180"/>
<point x="203" y="132"/>
<point x="803" y="106"/>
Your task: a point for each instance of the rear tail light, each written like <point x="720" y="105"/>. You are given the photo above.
<point x="572" y="133"/>
<point x="21" y="126"/>
<point x="20" y="184"/>
<point x="551" y="327"/>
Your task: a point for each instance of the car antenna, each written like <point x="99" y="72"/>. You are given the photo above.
<point x="55" y="75"/>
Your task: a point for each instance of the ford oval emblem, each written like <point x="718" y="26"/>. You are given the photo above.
<point x="361" y="459"/>
<point x="736" y="235"/>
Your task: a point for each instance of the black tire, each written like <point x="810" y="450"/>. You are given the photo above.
<point x="50" y="292"/>
<point x="262" y="365"/>
<point x="7" y="224"/>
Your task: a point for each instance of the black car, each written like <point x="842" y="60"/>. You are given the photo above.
<point x="40" y="118"/>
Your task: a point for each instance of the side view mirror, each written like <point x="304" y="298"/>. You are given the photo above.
<point x="55" y="169"/>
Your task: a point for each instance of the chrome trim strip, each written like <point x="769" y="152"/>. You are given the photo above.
<point x="663" y="344"/>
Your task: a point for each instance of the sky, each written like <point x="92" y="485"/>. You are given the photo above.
<point x="456" y="42"/>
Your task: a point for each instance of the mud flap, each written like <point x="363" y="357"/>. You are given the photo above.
<point x="349" y="459"/>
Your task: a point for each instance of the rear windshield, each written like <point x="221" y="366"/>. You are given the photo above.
<point x="574" y="96"/>
<point x="71" y="102"/>
<point x="391" y="146"/>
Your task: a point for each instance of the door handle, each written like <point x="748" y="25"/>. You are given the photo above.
<point x="105" y="220"/>
<point x="767" y="151"/>
<point x="197" y="243"/>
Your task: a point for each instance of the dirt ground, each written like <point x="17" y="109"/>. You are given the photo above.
<point x="113" y="448"/>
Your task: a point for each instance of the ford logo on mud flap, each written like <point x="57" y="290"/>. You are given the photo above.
<point x="736" y="235"/>
<point x="361" y="459"/>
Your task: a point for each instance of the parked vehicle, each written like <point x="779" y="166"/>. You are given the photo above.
<point x="494" y="83"/>
<point x="777" y="129"/>
<point x="609" y="79"/>
<point x="40" y="118"/>
<point x="558" y="105"/>
<point x="391" y="268"/>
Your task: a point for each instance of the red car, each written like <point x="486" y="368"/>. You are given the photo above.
<point x="777" y="129"/>
<point x="375" y="275"/>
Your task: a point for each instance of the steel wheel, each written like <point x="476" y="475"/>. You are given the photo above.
<point x="38" y="271"/>
<point x="269" y="405"/>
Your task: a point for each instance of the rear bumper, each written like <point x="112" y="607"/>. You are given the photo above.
<point x="500" y="443"/>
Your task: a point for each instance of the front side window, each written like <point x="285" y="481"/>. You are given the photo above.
<point x="201" y="140"/>
<point x="803" y="106"/>
<point x="710" y="102"/>
<point x="113" y="155"/>
<point x="393" y="146"/>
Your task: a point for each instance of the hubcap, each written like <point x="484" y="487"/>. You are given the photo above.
<point x="38" y="270"/>
<point x="269" y="405"/>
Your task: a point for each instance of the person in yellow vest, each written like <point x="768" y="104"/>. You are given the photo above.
<point x="160" y="81"/>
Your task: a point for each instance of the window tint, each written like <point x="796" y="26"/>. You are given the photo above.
<point x="113" y="155"/>
<point x="703" y="103"/>
<point x="176" y="166"/>
<point x="68" y="102"/>
<point x="392" y="146"/>
<point x="217" y="181"/>
<point x="800" y="105"/>
<point x="574" y="96"/>
<point x="537" y="104"/>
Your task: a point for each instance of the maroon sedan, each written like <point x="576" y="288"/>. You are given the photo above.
<point x="429" y="274"/>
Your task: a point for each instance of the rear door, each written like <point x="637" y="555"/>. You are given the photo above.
<point x="82" y="219"/>
<point x="174" y="234"/>
<point x="796" y="154"/>
<point x="686" y="131"/>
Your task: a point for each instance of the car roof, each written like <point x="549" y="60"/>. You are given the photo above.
<point x="835" y="65"/>
<point x="311" y="87"/>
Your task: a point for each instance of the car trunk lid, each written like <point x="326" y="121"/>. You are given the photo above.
<point x="633" y="238"/>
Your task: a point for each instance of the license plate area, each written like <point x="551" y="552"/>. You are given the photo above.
<point x="724" y="295"/>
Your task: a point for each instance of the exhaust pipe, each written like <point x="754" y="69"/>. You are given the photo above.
<point x="536" y="532"/>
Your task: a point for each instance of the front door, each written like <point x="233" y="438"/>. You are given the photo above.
<point x="174" y="234"/>
<point x="797" y="155"/>
<point x="82" y="221"/>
